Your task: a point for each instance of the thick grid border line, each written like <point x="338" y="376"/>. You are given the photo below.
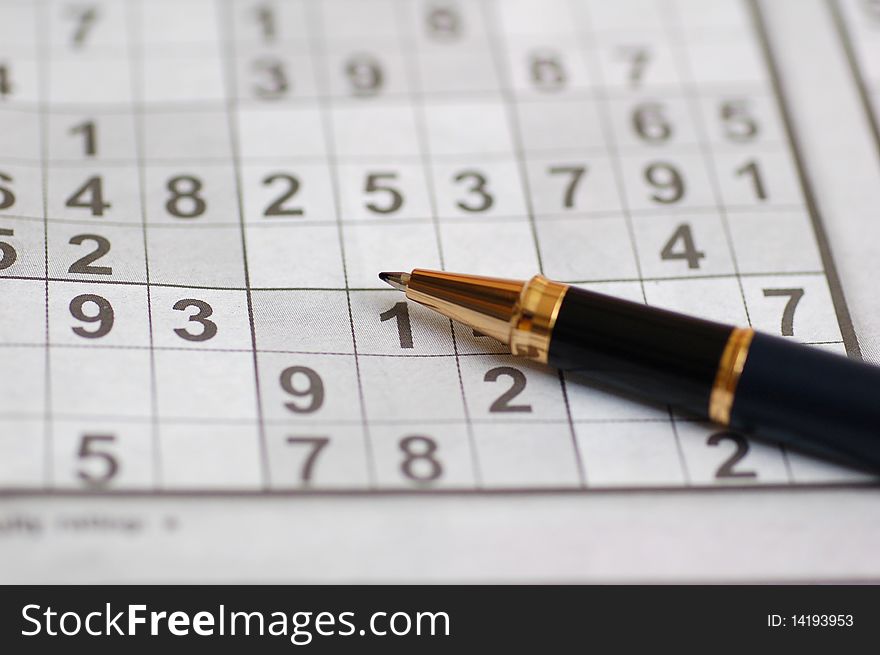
<point x="226" y="21"/>
<point x="708" y="276"/>
<point x="133" y="12"/>
<point x="837" y="295"/>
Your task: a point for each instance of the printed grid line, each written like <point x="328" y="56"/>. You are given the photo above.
<point x="664" y="278"/>
<point x="347" y="290"/>
<point x="315" y="20"/>
<point x="417" y="99"/>
<point x="677" y="33"/>
<point x="581" y="12"/>
<point x="498" y="47"/>
<point x="334" y="44"/>
<point x="24" y="344"/>
<point x="445" y="220"/>
<point x="840" y="306"/>
<point x="133" y="11"/>
<point x="800" y="487"/>
<point x="195" y="106"/>
<point x="681" y="56"/>
<point x="43" y="74"/>
<point x="208" y="160"/>
<point x="674" y="25"/>
<point x="508" y="96"/>
<point x="848" y="336"/>
<point x="226" y="22"/>
<point x="249" y="420"/>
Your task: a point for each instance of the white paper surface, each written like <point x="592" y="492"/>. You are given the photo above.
<point x="205" y="380"/>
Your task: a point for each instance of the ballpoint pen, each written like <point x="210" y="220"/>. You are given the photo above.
<point x="751" y="382"/>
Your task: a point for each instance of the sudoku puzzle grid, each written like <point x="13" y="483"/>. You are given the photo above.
<point x="196" y="197"/>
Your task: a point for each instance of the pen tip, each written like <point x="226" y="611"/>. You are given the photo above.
<point x="397" y="279"/>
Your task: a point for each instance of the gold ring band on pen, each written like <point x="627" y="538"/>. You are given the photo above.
<point x="730" y="368"/>
<point x="534" y="318"/>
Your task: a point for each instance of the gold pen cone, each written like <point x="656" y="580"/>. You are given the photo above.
<point x="520" y="314"/>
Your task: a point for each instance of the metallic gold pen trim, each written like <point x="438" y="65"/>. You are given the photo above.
<point x="520" y="314"/>
<point x="534" y="317"/>
<point x="730" y="368"/>
<point x="486" y="304"/>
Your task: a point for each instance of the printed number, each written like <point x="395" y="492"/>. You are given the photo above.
<point x="209" y="328"/>
<point x="275" y="82"/>
<point x="365" y="75"/>
<point x="794" y="297"/>
<point x="547" y="72"/>
<point x="185" y="201"/>
<point x="688" y="250"/>
<point x="90" y="449"/>
<point x="266" y="18"/>
<point x="576" y="173"/>
<point x="420" y="462"/>
<point x="277" y="208"/>
<point x="443" y="23"/>
<point x="751" y="170"/>
<point x="650" y="124"/>
<point x="85" y="17"/>
<point x="739" y="124"/>
<point x="89" y="135"/>
<point x="316" y="445"/>
<point x="638" y="59"/>
<point x="84" y="264"/>
<point x="7" y="198"/>
<point x="667" y="181"/>
<point x="7" y="251"/>
<point x="314" y="391"/>
<point x="374" y="184"/>
<point x="90" y="196"/>
<point x="104" y="317"/>
<point x="726" y="470"/>
<point x="400" y="312"/>
<point x="478" y="189"/>
<point x="502" y="403"/>
<point x="5" y="81"/>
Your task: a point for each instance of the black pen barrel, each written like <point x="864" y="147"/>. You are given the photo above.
<point x="811" y="399"/>
<point x="796" y="394"/>
<point x="640" y="350"/>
